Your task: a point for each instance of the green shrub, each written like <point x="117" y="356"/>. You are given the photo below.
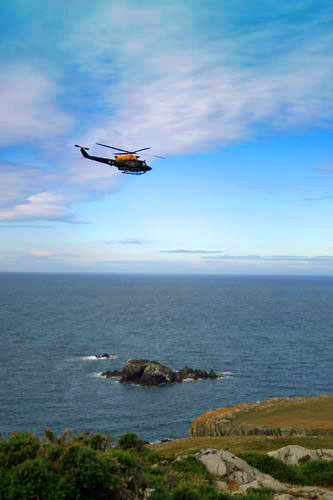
<point x="312" y="472"/>
<point x="83" y="474"/>
<point x="185" y="492"/>
<point x="16" y="449"/>
<point x="49" y="434"/>
<point x="32" y="478"/>
<point x="272" y="466"/>
<point x="130" y="440"/>
<point x="125" y="458"/>
<point x="190" y="464"/>
<point x="159" y="494"/>
<point x="211" y="493"/>
<point x="259" y="494"/>
<point x="319" y="472"/>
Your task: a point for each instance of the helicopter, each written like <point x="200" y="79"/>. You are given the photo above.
<point x="127" y="162"/>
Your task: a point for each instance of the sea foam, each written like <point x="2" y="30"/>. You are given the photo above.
<point x="93" y="358"/>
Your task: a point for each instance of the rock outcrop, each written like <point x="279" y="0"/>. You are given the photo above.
<point x="235" y="475"/>
<point x="146" y="372"/>
<point x="295" y="454"/>
<point x="235" y="472"/>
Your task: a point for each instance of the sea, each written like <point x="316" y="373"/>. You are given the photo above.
<point x="267" y="336"/>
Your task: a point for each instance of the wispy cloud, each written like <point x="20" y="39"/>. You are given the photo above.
<point x="318" y="198"/>
<point x="24" y="226"/>
<point x="37" y="254"/>
<point x="301" y="259"/>
<point x="49" y="254"/>
<point x="31" y="194"/>
<point x="127" y="241"/>
<point x="185" y="97"/>
<point x="184" y="251"/>
<point x="28" y="106"/>
<point x="40" y="205"/>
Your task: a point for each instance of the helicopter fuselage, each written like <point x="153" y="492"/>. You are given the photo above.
<point x="126" y="163"/>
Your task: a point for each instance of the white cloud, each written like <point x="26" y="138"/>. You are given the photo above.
<point x="48" y="253"/>
<point x="28" y="106"/>
<point x="38" y="206"/>
<point x="28" y="193"/>
<point x="283" y="259"/>
<point x="176" y="97"/>
<point x="127" y="241"/>
<point x="184" y="251"/>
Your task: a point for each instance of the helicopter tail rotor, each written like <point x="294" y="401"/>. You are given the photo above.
<point x="81" y="147"/>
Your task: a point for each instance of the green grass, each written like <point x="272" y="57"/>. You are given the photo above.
<point x="240" y="444"/>
<point x="311" y="413"/>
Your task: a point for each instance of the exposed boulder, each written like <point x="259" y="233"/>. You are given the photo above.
<point x="103" y="356"/>
<point x="234" y="471"/>
<point x="295" y="454"/>
<point x="146" y="372"/>
<point x="236" y="475"/>
<point x="309" y="492"/>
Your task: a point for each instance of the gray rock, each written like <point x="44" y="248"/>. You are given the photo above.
<point x="221" y="485"/>
<point x="311" y="493"/>
<point x="229" y="468"/>
<point x="294" y="454"/>
<point x="283" y="496"/>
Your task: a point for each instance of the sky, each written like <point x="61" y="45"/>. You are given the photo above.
<point x="237" y="95"/>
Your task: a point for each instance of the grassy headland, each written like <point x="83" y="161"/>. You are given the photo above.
<point x="275" y="417"/>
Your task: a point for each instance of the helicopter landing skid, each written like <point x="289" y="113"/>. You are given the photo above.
<point x="132" y="173"/>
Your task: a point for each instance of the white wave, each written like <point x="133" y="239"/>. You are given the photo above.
<point x="97" y="375"/>
<point x="93" y="358"/>
<point x="227" y="373"/>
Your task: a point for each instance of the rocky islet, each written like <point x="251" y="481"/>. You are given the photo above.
<point x="150" y="373"/>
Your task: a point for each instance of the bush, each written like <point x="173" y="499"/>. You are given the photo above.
<point x="31" y="479"/>
<point x="18" y="448"/>
<point x="272" y="466"/>
<point x="125" y="459"/>
<point x="83" y="474"/>
<point x="318" y="472"/>
<point x="185" y="492"/>
<point x="312" y="472"/>
<point x="190" y="464"/>
<point x="130" y="440"/>
<point x="259" y="494"/>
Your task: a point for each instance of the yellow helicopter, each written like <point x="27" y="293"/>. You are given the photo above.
<point x="127" y="162"/>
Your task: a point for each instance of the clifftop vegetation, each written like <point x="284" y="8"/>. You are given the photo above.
<point x="88" y="466"/>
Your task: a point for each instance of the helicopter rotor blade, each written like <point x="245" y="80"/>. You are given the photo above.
<point x="122" y="150"/>
<point x="112" y="147"/>
<point x="154" y="156"/>
<point x="137" y="150"/>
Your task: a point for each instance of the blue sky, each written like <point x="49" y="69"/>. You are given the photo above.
<point x="237" y="95"/>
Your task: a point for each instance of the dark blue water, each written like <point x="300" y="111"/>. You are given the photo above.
<point x="273" y="334"/>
